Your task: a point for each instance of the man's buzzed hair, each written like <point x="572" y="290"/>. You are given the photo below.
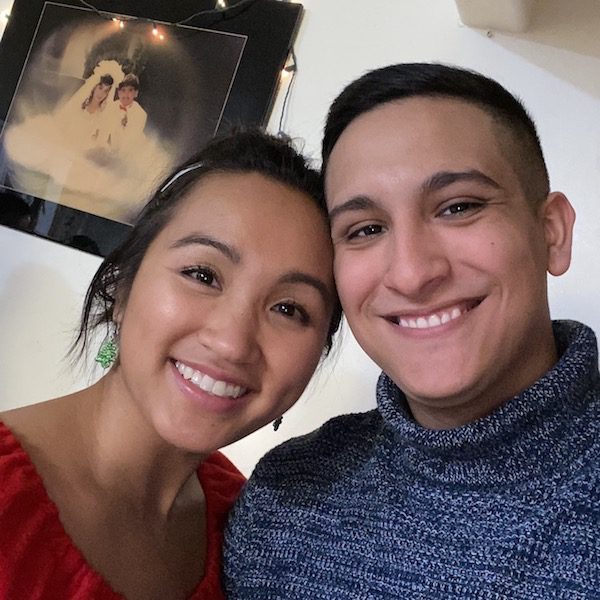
<point x="409" y="80"/>
<point x="130" y="80"/>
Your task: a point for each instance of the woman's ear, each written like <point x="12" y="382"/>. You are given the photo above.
<point x="118" y="310"/>
<point x="558" y="218"/>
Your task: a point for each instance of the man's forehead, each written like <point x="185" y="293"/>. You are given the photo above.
<point x="420" y="144"/>
<point x="411" y="116"/>
<point x="417" y="134"/>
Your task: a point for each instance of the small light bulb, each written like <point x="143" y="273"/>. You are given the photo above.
<point x="121" y="24"/>
<point x="154" y="31"/>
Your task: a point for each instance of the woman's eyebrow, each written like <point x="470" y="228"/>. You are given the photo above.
<point x="305" y="278"/>
<point x="204" y="240"/>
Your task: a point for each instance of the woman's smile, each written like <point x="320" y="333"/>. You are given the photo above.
<point x="244" y="278"/>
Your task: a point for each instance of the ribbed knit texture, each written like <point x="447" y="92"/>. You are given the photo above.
<point x="373" y="506"/>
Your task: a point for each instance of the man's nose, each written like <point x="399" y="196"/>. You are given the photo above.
<point x="417" y="262"/>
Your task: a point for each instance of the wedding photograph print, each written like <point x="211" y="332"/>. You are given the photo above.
<point x="106" y="105"/>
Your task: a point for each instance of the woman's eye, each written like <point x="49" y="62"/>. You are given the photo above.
<point x="460" y="208"/>
<point x="203" y="275"/>
<point x="291" y="310"/>
<point x="365" y="231"/>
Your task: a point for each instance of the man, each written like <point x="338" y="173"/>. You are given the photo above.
<point x="478" y="474"/>
<point x="127" y="118"/>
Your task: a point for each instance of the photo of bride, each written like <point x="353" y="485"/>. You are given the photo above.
<point x="103" y="111"/>
<point x="50" y="143"/>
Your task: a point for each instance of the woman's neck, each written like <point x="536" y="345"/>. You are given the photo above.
<point x="126" y="455"/>
<point x="92" y="107"/>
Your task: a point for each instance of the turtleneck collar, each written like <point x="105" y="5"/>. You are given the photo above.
<point x="542" y="423"/>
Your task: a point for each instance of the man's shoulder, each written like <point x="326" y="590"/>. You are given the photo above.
<point x="333" y="448"/>
<point x="138" y="108"/>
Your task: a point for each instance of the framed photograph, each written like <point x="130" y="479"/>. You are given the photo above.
<point x="100" y="100"/>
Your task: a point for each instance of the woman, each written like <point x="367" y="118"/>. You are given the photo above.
<point x="82" y="125"/>
<point x="81" y="121"/>
<point x="50" y="144"/>
<point x="223" y="301"/>
<point x="92" y="125"/>
<point x="97" y="98"/>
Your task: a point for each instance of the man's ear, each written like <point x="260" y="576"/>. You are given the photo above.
<point x="558" y="218"/>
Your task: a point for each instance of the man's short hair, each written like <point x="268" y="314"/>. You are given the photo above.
<point x="130" y="80"/>
<point x="408" y="80"/>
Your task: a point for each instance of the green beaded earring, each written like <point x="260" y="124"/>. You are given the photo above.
<point x="109" y="348"/>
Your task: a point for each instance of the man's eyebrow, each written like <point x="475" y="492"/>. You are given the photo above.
<point x="204" y="240"/>
<point x="443" y="179"/>
<point x="356" y="203"/>
<point x="436" y="182"/>
<point x="305" y="278"/>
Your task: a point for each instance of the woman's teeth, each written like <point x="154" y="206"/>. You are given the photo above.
<point x="208" y="384"/>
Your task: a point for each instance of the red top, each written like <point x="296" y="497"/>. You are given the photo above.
<point x="38" y="560"/>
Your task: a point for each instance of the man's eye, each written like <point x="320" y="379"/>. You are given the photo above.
<point x="460" y="208"/>
<point x="203" y="275"/>
<point x="365" y="231"/>
<point x="291" y="310"/>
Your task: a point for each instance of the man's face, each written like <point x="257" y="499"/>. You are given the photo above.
<point x="440" y="260"/>
<point x="127" y="94"/>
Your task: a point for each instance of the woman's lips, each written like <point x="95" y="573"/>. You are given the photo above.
<point x="216" y="387"/>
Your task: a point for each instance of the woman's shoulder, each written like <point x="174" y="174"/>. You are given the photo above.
<point x="28" y="437"/>
<point x="28" y="520"/>
<point x="16" y="469"/>
<point x="35" y="552"/>
<point x="23" y="497"/>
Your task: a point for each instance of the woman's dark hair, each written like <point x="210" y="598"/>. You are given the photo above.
<point x="433" y="80"/>
<point x="240" y="152"/>
<point x="105" y="79"/>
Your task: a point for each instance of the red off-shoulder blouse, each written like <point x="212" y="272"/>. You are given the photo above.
<point x="38" y="560"/>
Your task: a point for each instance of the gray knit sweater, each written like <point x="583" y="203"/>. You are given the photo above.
<point x="373" y="506"/>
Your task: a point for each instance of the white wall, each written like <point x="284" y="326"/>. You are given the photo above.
<point x="554" y="68"/>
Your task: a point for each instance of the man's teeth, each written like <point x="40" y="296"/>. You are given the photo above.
<point x="434" y="320"/>
<point x="208" y="384"/>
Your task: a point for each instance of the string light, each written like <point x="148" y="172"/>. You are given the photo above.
<point x="154" y="30"/>
<point x="290" y="67"/>
<point x="221" y="12"/>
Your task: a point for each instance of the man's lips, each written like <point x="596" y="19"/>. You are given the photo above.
<point x="434" y="317"/>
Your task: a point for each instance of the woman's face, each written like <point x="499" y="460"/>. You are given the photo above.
<point x="228" y="314"/>
<point x="100" y="92"/>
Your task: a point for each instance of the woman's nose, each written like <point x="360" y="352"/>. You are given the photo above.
<point x="231" y="332"/>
